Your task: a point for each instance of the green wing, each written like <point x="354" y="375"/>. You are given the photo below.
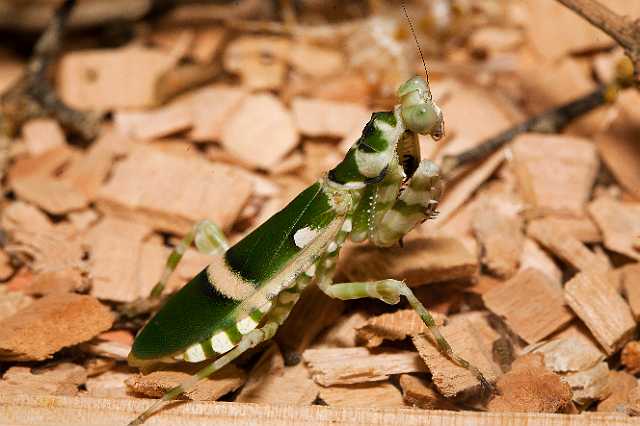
<point x="202" y="307"/>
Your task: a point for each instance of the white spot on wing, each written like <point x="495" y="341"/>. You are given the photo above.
<point x="221" y="343"/>
<point x="347" y="226"/>
<point x="245" y="325"/>
<point x="304" y="236"/>
<point x="332" y="247"/>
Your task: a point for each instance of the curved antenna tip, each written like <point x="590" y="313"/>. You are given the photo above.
<point x="415" y="37"/>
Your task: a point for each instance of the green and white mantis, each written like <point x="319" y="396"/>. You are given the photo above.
<point x="380" y="191"/>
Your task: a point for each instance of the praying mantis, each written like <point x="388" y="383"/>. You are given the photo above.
<point x="378" y="192"/>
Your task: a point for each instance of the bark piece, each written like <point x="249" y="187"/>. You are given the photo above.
<point x="184" y="190"/>
<point x="61" y="281"/>
<point x="313" y="313"/>
<point x="342" y="366"/>
<point x="531" y="304"/>
<point x="601" y="308"/>
<point x="530" y="387"/>
<point x="630" y="357"/>
<point x="220" y="383"/>
<point x="260" y="118"/>
<point x="569" y="354"/>
<point x="420" y="261"/>
<point x="50" y="324"/>
<point x="112" y="78"/>
<point x="556" y="173"/>
<point x="417" y="392"/>
<point x="42" y="134"/>
<point x="567" y="248"/>
<point x="620" y="224"/>
<point x="589" y="385"/>
<point x="620" y="385"/>
<point x="500" y="236"/>
<point x="6" y="270"/>
<point x="207" y="42"/>
<point x="270" y="382"/>
<point x="379" y="395"/>
<point x="317" y="117"/>
<point x="393" y="326"/>
<point x="536" y="258"/>
<point x="57" y="379"/>
<point x="448" y="377"/>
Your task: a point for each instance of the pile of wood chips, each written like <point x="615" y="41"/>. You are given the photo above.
<point x="532" y="266"/>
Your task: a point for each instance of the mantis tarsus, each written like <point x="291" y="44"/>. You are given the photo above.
<point x="380" y="191"/>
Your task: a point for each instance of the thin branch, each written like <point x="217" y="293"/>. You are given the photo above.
<point x="624" y="30"/>
<point x="550" y="121"/>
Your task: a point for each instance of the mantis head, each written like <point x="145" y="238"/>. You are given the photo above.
<point x="419" y="113"/>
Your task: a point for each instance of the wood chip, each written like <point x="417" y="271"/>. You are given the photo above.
<point x="420" y="261"/>
<point x="630" y="357"/>
<point x="42" y="134"/>
<point x="379" y="395"/>
<point x="393" y="326"/>
<point x="52" y="195"/>
<point x="620" y="224"/>
<point x="630" y="281"/>
<point x="211" y="108"/>
<point x="536" y="258"/>
<point x="260" y="118"/>
<point x="317" y="117"/>
<point x="582" y="229"/>
<point x="259" y="60"/>
<point x="589" y="385"/>
<point x="500" y="236"/>
<point x="343" y="333"/>
<point x="13" y="301"/>
<point x="417" y="392"/>
<point x="112" y="78"/>
<point x="620" y="151"/>
<point x="311" y="314"/>
<point x="57" y="379"/>
<point x="448" y="377"/>
<point x="45" y="164"/>
<point x="620" y="385"/>
<point x="153" y="124"/>
<point x="50" y="324"/>
<point x="531" y="304"/>
<point x="342" y="366"/>
<point x="183" y="191"/>
<point x="220" y="383"/>
<point x="555" y="172"/>
<point x="530" y="387"/>
<point x="270" y="382"/>
<point x="601" y="308"/>
<point x="316" y="61"/>
<point x="6" y="270"/>
<point x="567" y="248"/>
<point x="569" y="354"/>
<point x="206" y="44"/>
<point x="61" y="281"/>
<point x="110" y="384"/>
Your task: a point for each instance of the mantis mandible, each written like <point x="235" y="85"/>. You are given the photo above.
<point x="378" y="192"/>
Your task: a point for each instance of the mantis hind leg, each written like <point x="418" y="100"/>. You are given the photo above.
<point x="208" y="239"/>
<point x="389" y="291"/>
<point x="277" y="315"/>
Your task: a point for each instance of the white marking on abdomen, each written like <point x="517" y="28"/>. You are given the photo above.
<point x="221" y="343"/>
<point x="304" y="236"/>
<point x="245" y="325"/>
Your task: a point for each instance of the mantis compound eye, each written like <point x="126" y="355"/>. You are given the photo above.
<point x="424" y="118"/>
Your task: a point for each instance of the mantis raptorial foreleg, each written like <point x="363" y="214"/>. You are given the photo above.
<point x="389" y="291"/>
<point x="208" y="239"/>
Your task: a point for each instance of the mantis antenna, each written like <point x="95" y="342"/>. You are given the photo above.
<point x="413" y="32"/>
